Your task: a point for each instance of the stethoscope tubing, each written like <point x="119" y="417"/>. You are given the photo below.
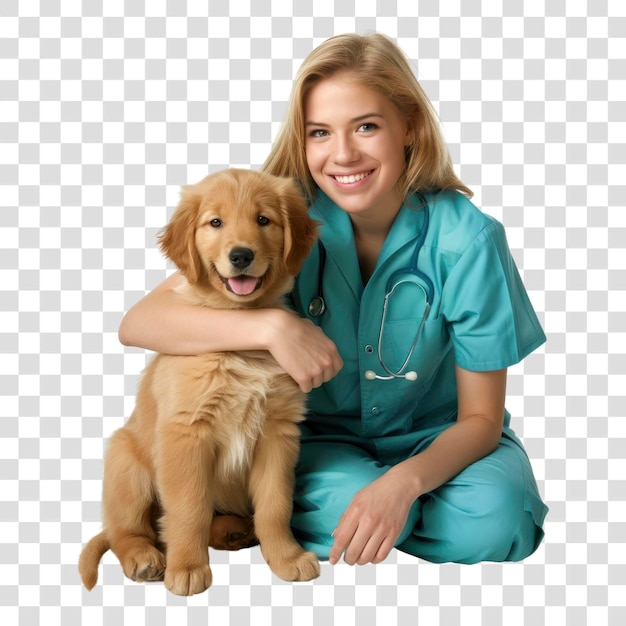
<point x="399" y="373"/>
<point x="317" y="306"/>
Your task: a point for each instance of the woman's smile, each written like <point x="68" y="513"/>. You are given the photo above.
<point x="351" y="178"/>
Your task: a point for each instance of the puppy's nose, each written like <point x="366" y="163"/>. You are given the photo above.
<point x="241" y="257"/>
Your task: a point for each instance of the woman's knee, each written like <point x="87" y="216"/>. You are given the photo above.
<point x="327" y="478"/>
<point x="496" y="531"/>
<point x="482" y="520"/>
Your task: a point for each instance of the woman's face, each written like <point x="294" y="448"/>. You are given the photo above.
<point x="355" y="142"/>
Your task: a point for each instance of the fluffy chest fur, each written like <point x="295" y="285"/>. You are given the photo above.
<point x="226" y="398"/>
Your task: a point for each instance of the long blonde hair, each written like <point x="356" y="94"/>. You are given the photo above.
<point x="378" y="63"/>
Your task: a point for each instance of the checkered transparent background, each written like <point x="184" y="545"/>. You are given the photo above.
<point x="106" y="108"/>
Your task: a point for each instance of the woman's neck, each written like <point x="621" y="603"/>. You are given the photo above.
<point x="368" y="250"/>
<point x="369" y="237"/>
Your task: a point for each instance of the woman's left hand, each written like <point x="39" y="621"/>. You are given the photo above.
<point x="373" y="521"/>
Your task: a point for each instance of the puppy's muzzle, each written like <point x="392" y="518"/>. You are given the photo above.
<point x="240" y="258"/>
<point x="242" y="284"/>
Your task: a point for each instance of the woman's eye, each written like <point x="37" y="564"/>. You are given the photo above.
<point x="215" y="223"/>
<point x="318" y="133"/>
<point x="367" y="128"/>
<point x="263" y="221"/>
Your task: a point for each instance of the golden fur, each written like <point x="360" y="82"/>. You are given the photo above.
<point x="213" y="438"/>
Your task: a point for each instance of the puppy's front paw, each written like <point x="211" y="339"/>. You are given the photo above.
<point x="299" y="567"/>
<point x="188" y="581"/>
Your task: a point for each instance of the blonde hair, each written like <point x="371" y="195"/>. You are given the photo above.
<point x="378" y="63"/>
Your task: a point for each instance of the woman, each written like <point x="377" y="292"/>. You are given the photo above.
<point x="408" y="442"/>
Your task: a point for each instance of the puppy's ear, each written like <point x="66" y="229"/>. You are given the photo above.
<point x="300" y="229"/>
<point x="178" y="240"/>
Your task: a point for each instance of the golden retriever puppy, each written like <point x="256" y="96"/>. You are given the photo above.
<point x="213" y="434"/>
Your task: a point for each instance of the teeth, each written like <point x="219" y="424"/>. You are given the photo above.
<point x="353" y="178"/>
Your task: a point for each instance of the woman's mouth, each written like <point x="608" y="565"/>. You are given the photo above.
<point x="352" y="178"/>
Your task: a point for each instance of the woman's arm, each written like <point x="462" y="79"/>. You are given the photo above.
<point x="476" y="433"/>
<point x="370" y="526"/>
<point x="163" y="321"/>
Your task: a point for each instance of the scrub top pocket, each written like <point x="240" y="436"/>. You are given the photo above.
<point x="429" y="350"/>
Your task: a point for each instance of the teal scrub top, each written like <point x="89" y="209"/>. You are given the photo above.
<point x="480" y="316"/>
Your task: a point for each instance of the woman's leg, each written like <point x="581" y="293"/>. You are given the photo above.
<point x="491" y="511"/>
<point x="328" y="476"/>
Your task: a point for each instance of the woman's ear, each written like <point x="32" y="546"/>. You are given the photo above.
<point x="178" y="240"/>
<point x="409" y="138"/>
<point x="300" y="230"/>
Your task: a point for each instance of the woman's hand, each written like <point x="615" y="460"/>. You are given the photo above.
<point x="302" y="350"/>
<point x="372" y="523"/>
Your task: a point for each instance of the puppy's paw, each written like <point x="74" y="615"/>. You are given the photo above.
<point x="145" y="565"/>
<point x="299" y="567"/>
<point x="189" y="580"/>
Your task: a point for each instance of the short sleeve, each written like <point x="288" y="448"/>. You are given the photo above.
<point x="491" y="321"/>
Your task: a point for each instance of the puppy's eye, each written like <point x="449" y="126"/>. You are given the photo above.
<point x="263" y="221"/>
<point x="215" y="223"/>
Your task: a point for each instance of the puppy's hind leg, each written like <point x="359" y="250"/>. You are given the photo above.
<point x="129" y="506"/>
<point x="232" y="532"/>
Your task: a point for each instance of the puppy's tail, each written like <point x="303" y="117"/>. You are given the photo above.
<point x="90" y="558"/>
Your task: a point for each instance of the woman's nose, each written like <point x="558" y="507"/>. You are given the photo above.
<point x="345" y="150"/>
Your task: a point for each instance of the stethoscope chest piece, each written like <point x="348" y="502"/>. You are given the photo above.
<point x="317" y="306"/>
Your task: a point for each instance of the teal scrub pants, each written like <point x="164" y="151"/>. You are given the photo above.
<point x="491" y="511"/>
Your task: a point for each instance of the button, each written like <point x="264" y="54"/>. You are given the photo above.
<point x="369" y="349"/>
<point x="375" y="410"/>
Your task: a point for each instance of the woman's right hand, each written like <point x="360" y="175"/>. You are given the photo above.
<point x="302" y="350"/>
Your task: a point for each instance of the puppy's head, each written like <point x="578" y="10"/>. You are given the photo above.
<point x="240" y="234"/>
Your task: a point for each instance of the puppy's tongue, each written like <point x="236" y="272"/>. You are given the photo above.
<point x="242" y="285"/>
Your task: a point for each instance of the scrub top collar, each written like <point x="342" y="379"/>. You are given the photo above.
<point x="405" y="230"/>
<point x="338" y="237"/>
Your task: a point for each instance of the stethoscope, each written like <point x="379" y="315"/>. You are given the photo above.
<point x="406" y="276"/>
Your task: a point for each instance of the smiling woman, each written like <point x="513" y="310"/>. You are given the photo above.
<point x="355" y="149"/>
<point x="380" y="452"/>
<point x="375" y="62"/>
